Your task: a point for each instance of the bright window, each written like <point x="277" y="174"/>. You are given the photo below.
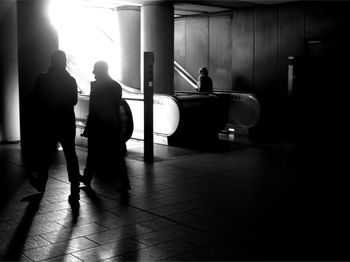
<point x="86" y="34"/>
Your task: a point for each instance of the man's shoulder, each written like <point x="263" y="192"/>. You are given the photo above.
<point x="108" y="86"/>
<point x="116" y="85"/>
<point x="69" y="76"/>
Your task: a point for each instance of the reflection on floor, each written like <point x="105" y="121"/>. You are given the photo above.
<point x="271" y="201"/>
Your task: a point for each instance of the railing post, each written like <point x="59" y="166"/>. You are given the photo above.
<point x="148" y="106"/>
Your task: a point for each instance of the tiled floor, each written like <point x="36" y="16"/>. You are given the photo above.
<point x="242" y="201"/>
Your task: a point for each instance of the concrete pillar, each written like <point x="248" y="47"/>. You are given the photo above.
<point x="37" y="40"/>
<point x="157" y="36"/>
<point x="129" y="60"/>
<point x="9" y="90"/>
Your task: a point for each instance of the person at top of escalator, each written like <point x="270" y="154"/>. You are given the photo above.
<point x="204" y="84"/>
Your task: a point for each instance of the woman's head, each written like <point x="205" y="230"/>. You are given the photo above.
<point x="203" y="71"/>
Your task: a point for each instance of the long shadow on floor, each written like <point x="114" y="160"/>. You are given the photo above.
<point x="18" y="240"/>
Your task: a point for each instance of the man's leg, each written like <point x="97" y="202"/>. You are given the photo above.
<point x="68" y="143"/>
<point x="118" y="157"/>
<point x="91" y="159"/>
<point x="124" y="179"/>
<point x="46" y="143"/>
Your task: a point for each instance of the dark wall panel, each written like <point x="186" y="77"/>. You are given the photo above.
<point x="266" y="42"/>
<point x="180" y="41"/>
<point x="291" y="40"/>
<point x="326" y="19"/>
<point x="196" y="44"/>
<point x="243" y="49"/>
<point x="220" y="49"/>
<point x="265" y="70"/>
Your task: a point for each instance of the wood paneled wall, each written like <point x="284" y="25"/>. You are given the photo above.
<point x="248" y="49"/>
<point x="220" y="46"/>
<point x="243" y="28"/>
<point x="196" y="44"/>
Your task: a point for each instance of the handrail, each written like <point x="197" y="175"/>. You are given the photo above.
<point x="133" y="94"/>
<point x="133" y="99"/>
<point x="182" y="71"/>
<point x="185" y="74"/>
<point x="192" y="78"/>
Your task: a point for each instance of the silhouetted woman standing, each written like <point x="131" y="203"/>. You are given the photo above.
<point x="204" y="84"/>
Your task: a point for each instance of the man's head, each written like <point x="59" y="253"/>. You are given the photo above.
<point x="58" y="59"/>
<point x="203" y="71"/>
<point x="100" y="69"/>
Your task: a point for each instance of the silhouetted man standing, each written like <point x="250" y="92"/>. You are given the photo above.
<point x="103" y="129"/>
<point x="55" y="94"/>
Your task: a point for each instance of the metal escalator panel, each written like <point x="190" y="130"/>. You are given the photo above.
<point x="166" y="114"/>
<point x="126" y="117"/>
<point x="243" y="110"/>
<point x="127" y="121"/>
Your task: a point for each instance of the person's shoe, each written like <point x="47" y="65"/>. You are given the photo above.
<point x="85" y="181"/>
<point x="73" y="199"/>
<point x="37" y="183"/>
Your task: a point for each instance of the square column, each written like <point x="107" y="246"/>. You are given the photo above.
<point x="9" y="90"/>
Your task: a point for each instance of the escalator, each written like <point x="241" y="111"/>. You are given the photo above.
<point x="180" y="118"/>
<point x="237" y="110"/>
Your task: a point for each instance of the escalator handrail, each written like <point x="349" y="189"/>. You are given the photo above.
<point x="186" y="75"/>
<point x="138" y="95"/>
<point x="184" y="71"/>
<point x="216" y="92"/>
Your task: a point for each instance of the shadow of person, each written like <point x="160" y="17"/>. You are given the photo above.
<point x="98" y="205"/>
<point x="91" y="194"/>
<point x="126" y="228"/>
<point x="18" y="240"/>
<point x="126" y="246"/>
<point x="63" y="237"/>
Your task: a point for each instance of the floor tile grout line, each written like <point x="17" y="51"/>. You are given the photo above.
<point x="64" y="254"/>
<point x="177" y="222"/>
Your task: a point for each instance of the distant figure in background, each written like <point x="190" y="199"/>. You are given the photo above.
<point x="103" y="130"/>
<point x="204" y="84"/>
<point x="55" y="94"/>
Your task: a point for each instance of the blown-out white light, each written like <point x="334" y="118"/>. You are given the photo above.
<point x="87" y="35"/>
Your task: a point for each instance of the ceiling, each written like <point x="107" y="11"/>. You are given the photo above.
<point x="191" y="7"/>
